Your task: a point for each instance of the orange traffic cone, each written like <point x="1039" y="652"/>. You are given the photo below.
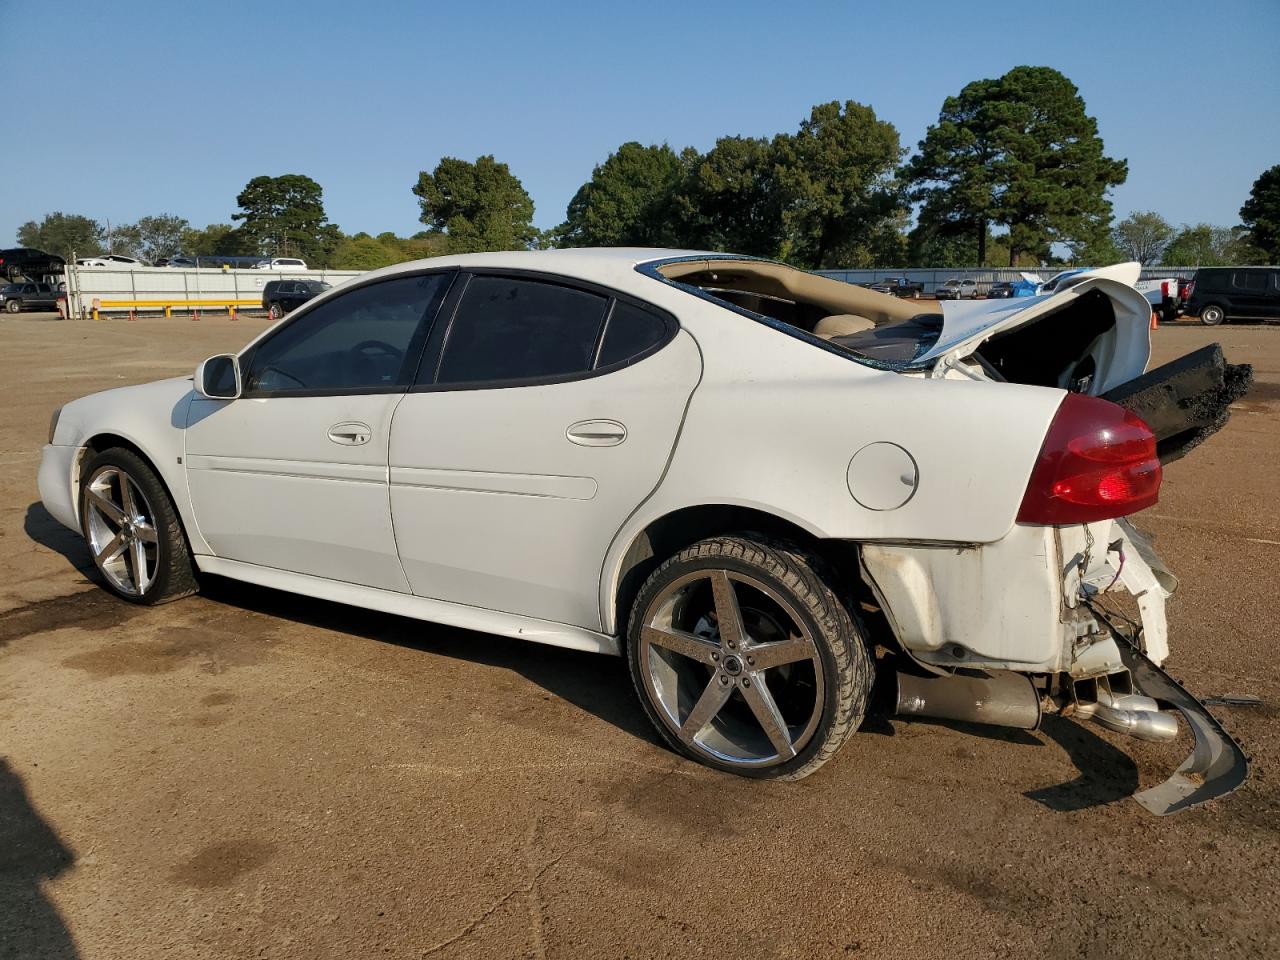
<point x="1155" y="320"/>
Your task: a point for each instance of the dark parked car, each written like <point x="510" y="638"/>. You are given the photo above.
<point x="281" y="296"/>
<point x="898" y="286"/>
<point x="1001" y="290"/>
<point x="28" y="296"/>
<point x="1222" y="293"/>
<point x="27" y="263"/>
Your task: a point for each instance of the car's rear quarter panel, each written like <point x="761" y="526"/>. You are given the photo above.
<point x="775" y="422"/>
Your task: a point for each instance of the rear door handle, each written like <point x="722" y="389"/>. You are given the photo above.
<point x="351" y="433"/>
<point x="596" y="433"/>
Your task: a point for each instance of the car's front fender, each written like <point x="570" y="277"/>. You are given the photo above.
<point x="151" y="417"/>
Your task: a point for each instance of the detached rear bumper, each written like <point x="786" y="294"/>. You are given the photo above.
<point x="1217" y="765"/>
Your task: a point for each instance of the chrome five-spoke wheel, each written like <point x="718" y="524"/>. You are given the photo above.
<point x="133" y="530"/>
<point x="746" y="658"/>
<point x="732" y="668"/>
<point x="121" y="530"/>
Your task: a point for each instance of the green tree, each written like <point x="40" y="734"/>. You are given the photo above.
<point x="1021" y="152"/>
<point x="363" y="252"/>
<point x="63" y="234"/>
<point x="629" y="200"/>
<point x="1261" y="214"/>
<point x="837" y="184"/>
<point x="1142" y="236"/>
<point x="1205" y="245"/>
<point x="954" y="175"/>
<point x="1098" y="250"/>
<point x="284" y="217"/>
<point x="160" y="236"/>
<point x="217" y="240"/>
<point x="730" y="199"/>
<point x="476" y="206"/>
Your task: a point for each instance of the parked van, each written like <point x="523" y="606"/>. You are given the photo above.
<point x="1223" y="293"/>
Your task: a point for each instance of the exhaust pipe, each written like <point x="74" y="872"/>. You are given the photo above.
<point x="1000" y="698"/>
<point x="1139" y="717"/>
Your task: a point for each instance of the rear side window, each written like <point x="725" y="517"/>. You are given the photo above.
<point x="630" y="332"/>
<point x="512" y="329"/>
<point x="1254" y="281"/>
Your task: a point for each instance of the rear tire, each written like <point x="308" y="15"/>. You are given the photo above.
<point x="1212" y="315"/>
<point x="746" y="660"/>
<point x="274" y="311"/>
<point x="133" y="530"/>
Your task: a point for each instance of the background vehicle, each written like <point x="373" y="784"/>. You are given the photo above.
<point x="1224" y="293"/>
<point x="110" y="260"/>
<point x="1000" y="290"/>
<point x="1162" y="294"/>
<point x="533" y="444"/>
<point x="898" y="287"/>
<point x="280" y="263"/>
<point x="955" y="289"/>
<point x="281" y="296"/>
<point x="1063" y="280"/>
<point x="28" y="296"/>
<point x="18" y="263"/>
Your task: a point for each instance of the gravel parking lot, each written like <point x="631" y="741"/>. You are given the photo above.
<point x="246" y="773"/>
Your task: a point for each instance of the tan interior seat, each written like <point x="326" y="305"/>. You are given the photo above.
<point x="840" y="325"/>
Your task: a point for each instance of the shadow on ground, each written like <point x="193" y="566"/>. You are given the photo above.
<point x="40" y="526"/>
<point x="601" y="685"/>
<point x="597" y="684"/>
<point x="1107" y="774"/>
<point x="30" y="855"/>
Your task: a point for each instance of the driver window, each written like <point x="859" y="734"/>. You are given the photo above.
<point x="366" y="340"/>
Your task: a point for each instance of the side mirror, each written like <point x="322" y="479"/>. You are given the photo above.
<point x="218" y="378"/>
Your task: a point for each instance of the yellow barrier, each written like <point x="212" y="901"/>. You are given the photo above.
<point x="133" y="306"/>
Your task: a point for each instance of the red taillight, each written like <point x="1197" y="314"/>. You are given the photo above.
<point x="1097" y="462"/>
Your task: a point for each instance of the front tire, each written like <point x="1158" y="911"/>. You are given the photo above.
<point x="133" y="530"/>
<point x="13" y="306"/>
<point x="1212" y="315"/>
<point x="275" y="312"/>
<point x="746" y="660"/>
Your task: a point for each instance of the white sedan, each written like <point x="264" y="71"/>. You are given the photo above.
<point x="743" y="477"/>
<point x="110" y="260"/>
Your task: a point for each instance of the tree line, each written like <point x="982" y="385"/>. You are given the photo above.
<point x="1013" y="173"/>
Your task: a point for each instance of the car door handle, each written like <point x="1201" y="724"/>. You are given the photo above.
<point x="351" y="433"/>
<point x="596" y="433"/>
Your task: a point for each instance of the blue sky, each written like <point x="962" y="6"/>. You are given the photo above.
<point x="144" y="108"/>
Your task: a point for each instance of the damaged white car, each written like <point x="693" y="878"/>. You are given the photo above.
<point x="745" y="478"/>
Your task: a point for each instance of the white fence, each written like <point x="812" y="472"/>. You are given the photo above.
<point x="163" y="286"/>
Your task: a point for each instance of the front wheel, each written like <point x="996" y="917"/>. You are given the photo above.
<point x="275" y="312"/>
<point x="13" y="306"/>
<point x="133" y="530"/>
<point x="1212" y="315"/>
<point x="746" y="660"/>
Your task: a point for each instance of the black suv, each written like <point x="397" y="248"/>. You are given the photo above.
<point x="28" y="296"/>
<point x="28" y="263"/>
<point x="281" y="296"/>
<point x="1220" y="293"/>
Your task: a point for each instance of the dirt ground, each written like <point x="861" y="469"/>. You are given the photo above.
<point x="245" y="773"/>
